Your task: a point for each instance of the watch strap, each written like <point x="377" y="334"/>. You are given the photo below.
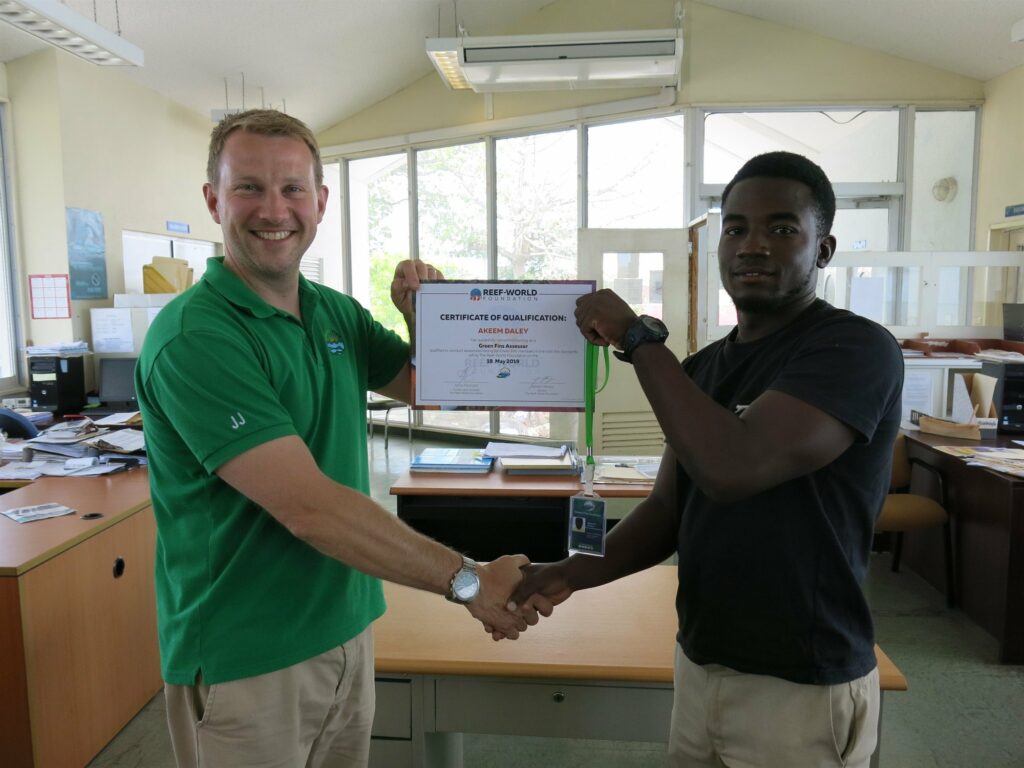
<point x="638" y="333"/>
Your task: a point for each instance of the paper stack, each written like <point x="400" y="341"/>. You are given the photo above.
<point x="527" y="459"/>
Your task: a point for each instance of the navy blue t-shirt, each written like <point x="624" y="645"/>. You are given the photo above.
<point x="772" y="584"/>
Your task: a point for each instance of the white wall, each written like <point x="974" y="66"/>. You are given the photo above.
<point x="1001" y="167"/>
<point x="3" y="81"/>
<point x="38" y="165"/>
<point x="87" y="137"/>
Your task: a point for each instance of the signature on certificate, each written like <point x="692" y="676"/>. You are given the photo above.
<point x="543" y="384"/>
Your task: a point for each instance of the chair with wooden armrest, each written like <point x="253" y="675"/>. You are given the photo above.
<point x="905" y="511"/>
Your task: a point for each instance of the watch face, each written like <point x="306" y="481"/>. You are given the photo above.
<point x="653" y="324"/>
<point x="466" y="585"/>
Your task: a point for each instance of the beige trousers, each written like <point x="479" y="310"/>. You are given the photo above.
<point x="316" y="714"/>
<point x="722" y="717"/>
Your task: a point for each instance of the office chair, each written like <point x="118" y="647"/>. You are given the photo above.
<point x="905" y="511"/>
<point x="13" y="424"/>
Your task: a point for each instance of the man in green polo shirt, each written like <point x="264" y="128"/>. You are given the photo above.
<point x="269" y="551"/>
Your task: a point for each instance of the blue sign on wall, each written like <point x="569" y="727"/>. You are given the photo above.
<point x="1015" y="210"/>
<point x="87" y="257"/>
<point x="178" y="226"/>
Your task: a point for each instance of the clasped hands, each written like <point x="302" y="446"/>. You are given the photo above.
<point x="514" y="594"/>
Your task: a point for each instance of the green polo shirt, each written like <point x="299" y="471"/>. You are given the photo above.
<point x="221" y="372"/>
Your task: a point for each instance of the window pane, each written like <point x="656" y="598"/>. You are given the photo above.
<point x="322" y="260"/>
<point x="861" y="229"/>
<point x="952" y="299"/>
<point x="888" y="295"/>
<point x="537" y="221"/>
<point x="637" y="278"/>
<point x="848" y="145"/>
<point x="379" y="210"/>
<point x="989" y="288"/>
<point x="525" y="423"/>
<point x="8" y="334"/>
<point x="458" y="421"/>
<point x="940" y="217"/>
<point x="537" y="212"/>
<point x="452" y="212"/>
<point x="635" y="174"/>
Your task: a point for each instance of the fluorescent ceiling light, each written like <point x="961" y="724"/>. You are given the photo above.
<point x="59" y="26"/>
<point x="1017" y="32"/>
<point x="647" y="58"/>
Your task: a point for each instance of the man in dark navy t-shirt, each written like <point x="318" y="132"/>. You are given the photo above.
<point x="778" y="452"/>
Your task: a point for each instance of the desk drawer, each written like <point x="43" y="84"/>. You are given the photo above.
<point x="583" y="711"/>
<point x="393" y="716"/>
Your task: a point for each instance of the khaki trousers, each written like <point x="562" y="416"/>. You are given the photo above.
<point x="316" y="714"/>
<point x="721" y="717"/>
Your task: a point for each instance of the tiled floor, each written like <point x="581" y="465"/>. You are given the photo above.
<point x="963" y="710"/>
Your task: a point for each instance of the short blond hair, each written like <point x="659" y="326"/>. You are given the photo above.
<point x="264" y="122"/>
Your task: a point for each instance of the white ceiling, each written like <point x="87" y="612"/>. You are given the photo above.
<point x="328" y="59"/>
<point x="969" y="37"/>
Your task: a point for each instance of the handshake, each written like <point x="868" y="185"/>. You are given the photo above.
<point x="514" y="594"/>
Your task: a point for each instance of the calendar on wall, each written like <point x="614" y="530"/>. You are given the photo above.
<point x="50" y="296"/>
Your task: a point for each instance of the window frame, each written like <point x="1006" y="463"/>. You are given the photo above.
<point x="9" y="268"/>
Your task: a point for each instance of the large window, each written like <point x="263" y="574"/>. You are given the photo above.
<point x="8" y="315"/>
<point x="508" y="206"/>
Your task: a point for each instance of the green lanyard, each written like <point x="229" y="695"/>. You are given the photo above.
<point x="590" y="396"/>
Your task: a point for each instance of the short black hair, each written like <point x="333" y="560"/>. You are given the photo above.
<point x="789" y="165"/>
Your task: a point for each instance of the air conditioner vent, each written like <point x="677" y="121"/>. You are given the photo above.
<point x="643" y="58"/>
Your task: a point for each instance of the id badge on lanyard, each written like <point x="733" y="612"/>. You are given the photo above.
<point x="587" y="520"/>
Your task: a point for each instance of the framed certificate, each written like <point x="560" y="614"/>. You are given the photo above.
<point x="499" y="345"/>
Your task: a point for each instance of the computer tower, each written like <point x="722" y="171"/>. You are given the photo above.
<point x="57" y="384"/>
<point x="1008" y="398"/>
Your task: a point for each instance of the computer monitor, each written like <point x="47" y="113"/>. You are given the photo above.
<point x="117" y="383"/>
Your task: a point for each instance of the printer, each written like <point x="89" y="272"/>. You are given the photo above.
<point x="1008" y="398"/>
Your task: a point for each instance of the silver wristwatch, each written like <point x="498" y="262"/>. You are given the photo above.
<point x="465" y="584"/>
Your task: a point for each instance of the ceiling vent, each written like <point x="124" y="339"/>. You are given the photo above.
<point x="648" y="58"/>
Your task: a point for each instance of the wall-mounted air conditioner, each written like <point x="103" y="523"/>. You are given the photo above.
<point x="646" y="58"/>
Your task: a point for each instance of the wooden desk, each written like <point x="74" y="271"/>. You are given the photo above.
<point x="600" y="668"/>
<point x="78" y="647"/>
<point x="493" y="514"/>
<point x="988" y="540"/>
